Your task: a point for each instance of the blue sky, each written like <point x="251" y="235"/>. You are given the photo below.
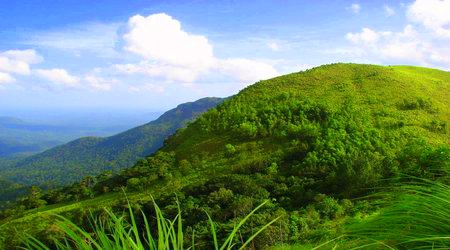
<point x="153" y="55"/>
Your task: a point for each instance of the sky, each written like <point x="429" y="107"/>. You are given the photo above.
<point x="153" y="55"/>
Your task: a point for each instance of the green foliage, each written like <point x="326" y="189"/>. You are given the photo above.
<point x="34" y="199"/>
<point x="134" y="184"/>
<point x="418" y="103"/>
<point x="92" y="155"/>
<point x="272" y="169"/>
<point x="118" y="232"/>
<point x="229" y="150"/>
<point x="415" y="215"/>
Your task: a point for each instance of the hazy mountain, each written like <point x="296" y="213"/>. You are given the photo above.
<point x="92" y="155"/>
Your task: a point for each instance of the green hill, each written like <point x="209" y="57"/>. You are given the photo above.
<point x="310" y="142"/>
<point x="92" y="155"/>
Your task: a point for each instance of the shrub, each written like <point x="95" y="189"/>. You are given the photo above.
<point x="229" y="150"/>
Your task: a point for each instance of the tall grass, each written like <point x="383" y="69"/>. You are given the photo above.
<point x="416" y="215"/>
<point x="116" y="232"/>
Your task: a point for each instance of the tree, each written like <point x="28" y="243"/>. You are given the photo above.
<point x="134" y="184"/>
<point x="33" y="200"/>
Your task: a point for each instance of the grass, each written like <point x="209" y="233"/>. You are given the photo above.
<point x="416" y="216"/>
<point x="116" y="232"/>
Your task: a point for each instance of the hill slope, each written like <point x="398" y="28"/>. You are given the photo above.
<point x="309" y="142"/>
<point x="92" y="155"/>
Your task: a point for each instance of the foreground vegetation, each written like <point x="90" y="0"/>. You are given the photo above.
<point x="418" y="217"/>
<point x="311" y="143"/>
<point x="115" y="232"/>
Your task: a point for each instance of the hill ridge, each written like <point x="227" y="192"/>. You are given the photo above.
<point x="92" y="155"/>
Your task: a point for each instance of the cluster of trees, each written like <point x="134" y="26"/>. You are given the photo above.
<point x="322" y="159"/>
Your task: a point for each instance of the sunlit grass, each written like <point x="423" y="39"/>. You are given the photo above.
<point x="416" y="216"/>
<point x="118" y="232"/>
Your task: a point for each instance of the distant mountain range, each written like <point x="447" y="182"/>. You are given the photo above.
<point x="18" y="137"/>
<point x="92" y="155"/>
<point x="43" y="130"/>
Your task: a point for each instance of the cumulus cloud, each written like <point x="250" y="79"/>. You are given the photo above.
<point x="355" y="8"/>
<point x="18" y="61"/>
<point x="406" y="46"/>
<point x="172" y="54"/>
<point x="432" y="14"/>
<point x="367" y="36"/>
<point x="59" y="76"/>
<point x="159" y="37"/>
<point x="6" y="78"/>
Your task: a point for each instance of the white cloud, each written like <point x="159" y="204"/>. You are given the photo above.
<point x="367" y="36"/>
<point x="432" y="14"/>
<point x="6" y="78"/>
<point x="355" y="8"/>
<point x="172" y="54"/>
<point x="14" y="66"/>
<point x="407" y="46"/>
<point x="58" y="76"/>
<point x="18" y="61"/>
<point x="159" y="37"/>
<point x="388" y="11"/>
<point x="273" y="46"/>
<point x="98" y="83"/>
<point x="29" y="56"/>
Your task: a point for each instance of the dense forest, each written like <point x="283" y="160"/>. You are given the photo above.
<point x="71" y="162"/>
<point x="315" y="146"/>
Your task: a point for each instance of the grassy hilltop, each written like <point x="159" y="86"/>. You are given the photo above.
<point x="312" y="143"/>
